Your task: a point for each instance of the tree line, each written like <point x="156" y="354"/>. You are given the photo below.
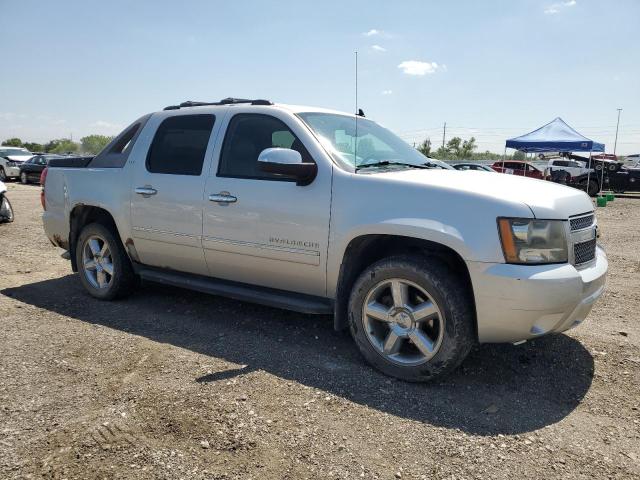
<point x="90" y="145"/>
<point x="455" y="149"/>
<point x="458" y="149"/>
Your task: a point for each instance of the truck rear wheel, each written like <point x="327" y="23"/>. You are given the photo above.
<point x="411" y="317"/>
<point x="104" y="267"/>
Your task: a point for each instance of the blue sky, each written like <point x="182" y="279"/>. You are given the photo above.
<point x="492" y="69"/>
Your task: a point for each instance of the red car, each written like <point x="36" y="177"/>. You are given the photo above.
<point x="523" y="169"/>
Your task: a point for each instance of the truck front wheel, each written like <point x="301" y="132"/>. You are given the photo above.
<point x="411" y="317"/>
<point x="104" y="267"/>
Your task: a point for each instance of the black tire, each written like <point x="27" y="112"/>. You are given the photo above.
<point x="24" y="178"/>
<point x="123" y="281"/>
<point x="446" y="290"/>
<point x="3" y="175"/>
<point x="592" y="189"/>
<point x="6" y="210"/>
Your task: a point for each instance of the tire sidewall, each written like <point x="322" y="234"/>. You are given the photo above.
<point x="451" y="351"/>
<point x="116" y="259"/>
<point x="5" y="200"/>
<point x="24" y="179"/>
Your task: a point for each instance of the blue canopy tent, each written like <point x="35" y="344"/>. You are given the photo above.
<point x="555" y="136"/>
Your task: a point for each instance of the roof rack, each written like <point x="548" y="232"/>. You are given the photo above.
<point x="224" y="101"/>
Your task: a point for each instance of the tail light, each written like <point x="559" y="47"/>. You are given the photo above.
<point x="43" y="179"/>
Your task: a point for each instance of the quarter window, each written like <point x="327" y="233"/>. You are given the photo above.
<point x="180" y="145"/>
<point x="247" y="136"/>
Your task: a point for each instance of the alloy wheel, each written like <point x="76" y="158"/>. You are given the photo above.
<point x="97" y="262"/>
<point x="403" y="322"/>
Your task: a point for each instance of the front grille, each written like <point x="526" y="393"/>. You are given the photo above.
<point x="584" y="252"/>
<point x="578" y="223"/>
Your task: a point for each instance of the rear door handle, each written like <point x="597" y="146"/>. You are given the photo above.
<point x="146" y="191"/>
<point x="222" y="197"/>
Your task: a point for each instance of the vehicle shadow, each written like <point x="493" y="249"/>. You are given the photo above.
<point x="499" y="388"/>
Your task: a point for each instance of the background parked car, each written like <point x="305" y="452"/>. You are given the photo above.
<point x="31" y="169"/>
<point x="633" y="161"/>
<point x="523" y="169"/>
<point x="473" y="166"/>
<point x="10" y="160"/>
<point x="573" y="167"/>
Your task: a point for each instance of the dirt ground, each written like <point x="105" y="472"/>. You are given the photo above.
<point x="176" y="384"/>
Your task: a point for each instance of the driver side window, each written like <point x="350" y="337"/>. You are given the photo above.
<point x="248" y="134"/>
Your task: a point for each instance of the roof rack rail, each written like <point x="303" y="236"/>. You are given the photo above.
<point x="224" y="101"/>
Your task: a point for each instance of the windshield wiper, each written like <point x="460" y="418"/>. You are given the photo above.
<point x="385" y="163"/>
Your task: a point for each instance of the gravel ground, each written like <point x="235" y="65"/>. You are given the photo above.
<point x="176" y="384"/>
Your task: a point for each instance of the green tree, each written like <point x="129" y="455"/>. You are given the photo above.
<point x="33" y="147"/>
<point x="466" y="151"/>
<point x="453" y="147"/>
<point x="62" y="145"/>
<point x="441" y="154"/>
<point x="518" y="155"/>
<point x="94" y="143"/>
<point x="12" y="142"/>
<point x="425" y="147"/>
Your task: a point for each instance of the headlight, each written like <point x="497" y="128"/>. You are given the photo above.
<point x="11" y="163"/>
<point x="533" y="241"/>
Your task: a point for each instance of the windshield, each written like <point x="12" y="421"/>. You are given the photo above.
<point x="372" y="146"/>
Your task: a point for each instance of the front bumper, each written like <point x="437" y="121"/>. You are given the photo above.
<point x="12" y="172"/>
<point x="520" y="302"/>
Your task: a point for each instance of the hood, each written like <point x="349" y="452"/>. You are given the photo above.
<point x="18" y="158"/>
<point x="545" y="199"/>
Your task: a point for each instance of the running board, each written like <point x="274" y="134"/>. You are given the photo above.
<point x="270" y="297"/>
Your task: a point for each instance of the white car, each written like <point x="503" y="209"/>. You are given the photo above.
<point x="321" y="211"/>
<point x="573" y="167"/>
<point x="10" y="160"/>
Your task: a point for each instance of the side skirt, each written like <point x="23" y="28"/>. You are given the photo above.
<point x="271" y="297"/>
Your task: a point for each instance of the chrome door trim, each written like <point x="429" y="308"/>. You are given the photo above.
<point x="273" y="252"/>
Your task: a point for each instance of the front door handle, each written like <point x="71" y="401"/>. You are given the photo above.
<point x="222" y="197"/>
<point x="146" y="191"/>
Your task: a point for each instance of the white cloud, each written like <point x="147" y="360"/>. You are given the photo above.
<point x="378" y="48"/>
<point x="558" y="7"/>
<point x="372" y="33"/>
<point x="105" y="125"/>
<point x="418" y="68"/>
<point x="387" y="92"/>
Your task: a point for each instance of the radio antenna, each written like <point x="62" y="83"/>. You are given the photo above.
<point x="355" y="147"/>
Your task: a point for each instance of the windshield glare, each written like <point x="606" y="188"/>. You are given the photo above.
<point x="371" y="145"/>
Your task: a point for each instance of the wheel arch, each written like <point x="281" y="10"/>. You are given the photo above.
<point x="364" y="250"/>
<point x="82" y="215"/>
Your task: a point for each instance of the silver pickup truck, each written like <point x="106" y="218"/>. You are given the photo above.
<point x="320" y="211"/>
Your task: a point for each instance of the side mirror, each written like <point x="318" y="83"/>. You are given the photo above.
<point x="287" y="162"/>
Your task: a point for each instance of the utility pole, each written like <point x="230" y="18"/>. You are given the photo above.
<point x="615" y="143"/>
<point x="444" y="133"/>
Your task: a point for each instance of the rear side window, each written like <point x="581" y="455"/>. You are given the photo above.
<point x="249" y="134"/>
<point x="180" y="145"/>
